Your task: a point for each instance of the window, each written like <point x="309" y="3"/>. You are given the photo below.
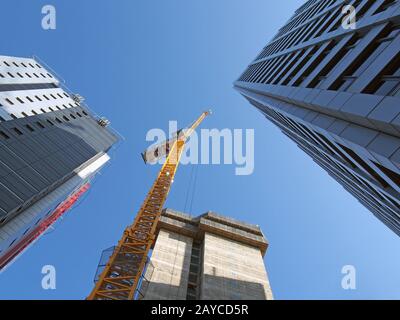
<point x="72" y="116"/>
<point x="385" y="5"/>
<point x="320" y="79"/>
<point x="46" y="97"/>
<point x="388" y="82"/>
<point x="20" y="75"/>
<point x="395" y="177"/>
<point x="29" y="99"/>
<point x="24" y="114"/>
<point x="40" y="125"/>
<point x="50" y="123"/>
<point x="10" y="74"/>
<point x="29" y="128"/>
<point x="13" y="116"/>
<point x="364" y="60"/>
<point x="37" y="97"/>
<point x="365" y="166"/>
<point x="9" y="101"/>
<point x="65" y="118"/>
<point x="20" y="100"/>
<point x="41" y="109"/>
<point x="58" y="120"/>
<point x="34" y="112"/>
<point x="289" y="76"/>
<point x="17" y="131"/>
<point x="317" y="60"/>
<point x="4" y="135"/>
<point x="12" y="243"/>
<point x="6" y="63"/>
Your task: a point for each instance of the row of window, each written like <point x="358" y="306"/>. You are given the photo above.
<point x="30" y="228"/>
<point x="340" y="152"/>
<point x="324" y="151"/>
<point x="312" y="29"/>
<point x="21" y="64"/>
<point x="362" y="189"/>
<point x="41" y="125"/>
<point x="27" y="230"/>
<point x="305" y="16"/>
<point x="284" y="70"/>
<point x="328" y="22"/>
<point x="39" y="98"/>
<point x="303" y="34"/>
<point x="36" y="198"/>
<point x="26" y="74"/>
<point x="24" y="114"/>
<point x="305" y="6"/>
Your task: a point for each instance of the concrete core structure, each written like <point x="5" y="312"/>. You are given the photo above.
<point x="206" y="258"/>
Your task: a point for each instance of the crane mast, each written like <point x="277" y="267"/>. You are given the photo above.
<point x="120" y="277"/>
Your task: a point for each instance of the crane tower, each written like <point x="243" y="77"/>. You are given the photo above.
<point x="121" y="275"/>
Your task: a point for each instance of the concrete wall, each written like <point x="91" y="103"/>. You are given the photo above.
<point x="168" y="277"/>
<point x="206" y="257"/>
<point x="233" y="271"/>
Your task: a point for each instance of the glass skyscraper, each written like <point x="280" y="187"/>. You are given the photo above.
<point x="334" y="89"/>
<point x="51" y="147"/>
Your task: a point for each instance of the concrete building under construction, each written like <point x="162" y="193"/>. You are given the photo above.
<point x="206" y="258"/>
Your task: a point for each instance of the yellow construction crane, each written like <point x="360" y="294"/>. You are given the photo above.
<point x="121" y="276"/>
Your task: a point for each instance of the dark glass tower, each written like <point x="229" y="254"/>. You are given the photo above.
<point x="335" y="91"/>
<point x="51" y="147"/>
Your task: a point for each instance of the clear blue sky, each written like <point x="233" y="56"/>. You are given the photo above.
<point x="142" y="63"/>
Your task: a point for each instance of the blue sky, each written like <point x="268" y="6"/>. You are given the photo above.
<point x="143" y="63"/>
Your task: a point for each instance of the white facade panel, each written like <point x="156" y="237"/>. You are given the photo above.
<point x="15" y="70"/>
<point x="29" y="101"/>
